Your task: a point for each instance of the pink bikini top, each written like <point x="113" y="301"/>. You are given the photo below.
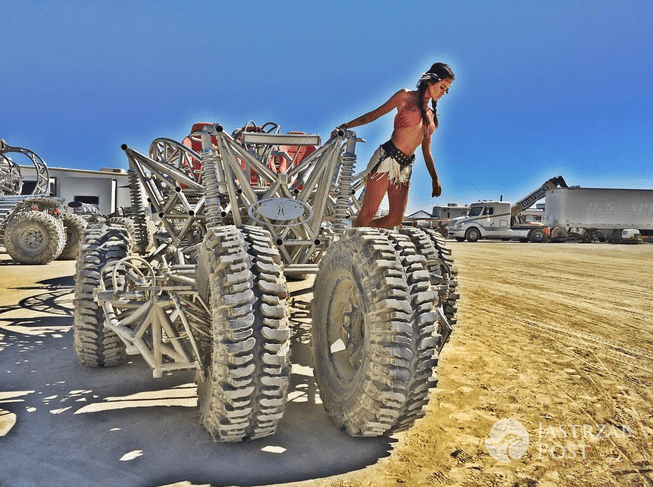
<point x="409" y="115"/>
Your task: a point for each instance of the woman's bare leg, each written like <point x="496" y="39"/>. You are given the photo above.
<point x="398" y="200"/>
<point x="375" y="189"/>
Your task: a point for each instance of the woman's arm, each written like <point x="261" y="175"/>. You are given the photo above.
<point x="430" y="166"/>
<point x="394" y="101"/>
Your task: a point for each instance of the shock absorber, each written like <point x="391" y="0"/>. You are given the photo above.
<point x="138" y="208"/>
<point x="212" y="179"/>
<point x="344" y="191"/>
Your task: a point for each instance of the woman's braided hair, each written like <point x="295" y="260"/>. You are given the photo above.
<point x="437" y="72"/>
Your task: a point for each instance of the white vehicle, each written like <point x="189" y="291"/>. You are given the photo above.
<point x="631" y="235"/>
<point x="501" y="220"/>
<point x="599" y="213"/>
<point x="492" y="219"/>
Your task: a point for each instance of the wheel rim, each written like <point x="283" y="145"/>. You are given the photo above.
<point x="34" y="239"/>
<point x="346" y="330"/>
<point x="129" y="275"/>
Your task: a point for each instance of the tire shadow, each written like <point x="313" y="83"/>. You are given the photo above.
<point x="119" y="426"/>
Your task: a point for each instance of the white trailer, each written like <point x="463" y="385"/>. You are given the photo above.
<point x="601" y="213"/>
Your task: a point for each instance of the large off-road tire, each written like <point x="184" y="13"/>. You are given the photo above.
<point x="34" y="237"/>
<point x="442" y="270"/>
<point x="141" y="229"/>
<point x="426" y="329"/>
<point x="247" y="359"/>
<point x="74" y="226"/>
<point x="366" y="350"/>
<point x="95" y="345"/>
<point x="126" y="222"/>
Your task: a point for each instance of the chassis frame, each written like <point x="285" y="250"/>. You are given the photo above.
<point x="160" y="282"/>
<point x="155" y="289"/>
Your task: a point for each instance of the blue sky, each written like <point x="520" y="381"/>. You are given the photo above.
<point x="542" y="87"/>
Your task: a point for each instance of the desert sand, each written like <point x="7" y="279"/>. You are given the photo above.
<point x="555" y="338"/>
<point x="558" y="337"/>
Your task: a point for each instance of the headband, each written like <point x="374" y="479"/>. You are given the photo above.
<point x="430" y="77"/>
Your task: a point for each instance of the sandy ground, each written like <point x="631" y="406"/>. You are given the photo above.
<point x="554" y="339"/>
<point x="557" y="337"/>
<point x="64" y="424"/>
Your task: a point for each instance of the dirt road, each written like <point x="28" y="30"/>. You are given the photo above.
<point x="553" y="340"/>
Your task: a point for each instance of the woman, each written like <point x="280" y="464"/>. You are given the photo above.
<point x="390" y="167"/>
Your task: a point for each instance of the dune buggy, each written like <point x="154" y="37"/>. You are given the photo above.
<point x="235" y="215"/>
<point x="34" y="229"/>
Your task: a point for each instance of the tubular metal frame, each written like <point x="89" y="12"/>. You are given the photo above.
<point x="155" y="307"/>
<point x="42" y="174"/>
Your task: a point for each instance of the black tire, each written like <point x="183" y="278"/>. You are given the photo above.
<point x="34" y="237"/>
<point x="74" y="226"/>
<point x="442" y="270"/>
<point x="364" y="347"/>
<point x="473" y="234"/>
<point x="426" y="330"/>
<point x="243" y="395"/>
<point x="126" y="222"/>
<point x="95" y="345"/>
<point x="537" y="235"/>
<point x="141" y="229"/>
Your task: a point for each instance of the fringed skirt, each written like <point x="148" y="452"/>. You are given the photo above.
<point x="390" y="161"/>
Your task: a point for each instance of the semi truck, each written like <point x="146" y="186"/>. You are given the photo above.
<point x="503" y="220"/>
<point x="612" y="215"/>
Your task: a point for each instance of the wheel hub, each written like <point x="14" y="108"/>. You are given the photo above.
<point x="347" y="331"/>
<point x="33" y="239"/>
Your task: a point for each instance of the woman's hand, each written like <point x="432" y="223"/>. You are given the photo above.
<point x="437" y="189"/>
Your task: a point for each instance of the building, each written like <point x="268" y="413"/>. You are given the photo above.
<point x="419" y="215"/>
<point x="107" y="189"/>
<point x="423" y="219"/>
